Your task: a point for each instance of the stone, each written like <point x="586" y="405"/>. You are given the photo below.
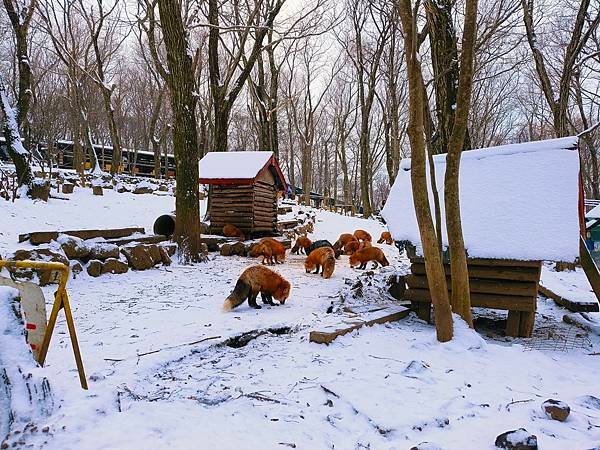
<point x="239" y="248"/>
<point x="39" y="254"/>
<point x="102" y="251"/>
<point x="163" y="188"/>
<point x="139" y="256"/>
<point x="113" y="265"/>
<point x="94" y="268"/>
<point x="226" y="250"/>
<point x="155" y="253"/>
<point x="164" y="256"/>
<point x="142" y="190"/>
<point x="170" y="248"/>
<point x="74" y="247"/>
<point x="556" y="410"/>
<point x="39" y="190"/>
<point x="97" y="190"/>
<point x="76" y="269"/>
<point x="519" y="439"/>
<point x="121" y="188"/>
<point x="67" y="188"/>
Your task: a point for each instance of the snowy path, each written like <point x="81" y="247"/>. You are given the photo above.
<point x="385" y="387"/>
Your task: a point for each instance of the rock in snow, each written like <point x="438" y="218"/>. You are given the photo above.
<point x="519" y="439"/>
<point x="556" y="410"/>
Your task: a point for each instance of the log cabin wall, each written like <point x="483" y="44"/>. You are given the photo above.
<point x="494" y="283"/>
<point x="252" y="208"/>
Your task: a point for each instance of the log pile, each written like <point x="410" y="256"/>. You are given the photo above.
<point x="251" y="208"/>
<point x="495" y="283"/>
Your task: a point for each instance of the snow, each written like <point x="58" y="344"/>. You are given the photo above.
<point x="154" y="385"/>
<point x="594" y="213"/>
<point x="233" y="165"/>
<point x="11" y="123"/>
<point x="572" y="285"/>
<point x="517" y="201"/>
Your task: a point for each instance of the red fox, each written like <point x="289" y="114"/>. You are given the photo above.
<point x="343" y="240"/>
<point x="362" y="235"/>
<point x="233" y="231"/>
<point x="255" y="280"/>
<point x="322" y="258"/>
<point x="351" y="247"/>
<point x="271" y="250"/>
<point x="365" y="255"/>
<point x="302" y="243"/>
<point x="386" y="237"/>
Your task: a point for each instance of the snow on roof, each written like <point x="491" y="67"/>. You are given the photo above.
<point x="518" y="201"/>
<point x="237" y="165"/>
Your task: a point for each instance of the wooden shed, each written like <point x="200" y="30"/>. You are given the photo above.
<point x="519" y="207"/>
<point x="243" y="190"/>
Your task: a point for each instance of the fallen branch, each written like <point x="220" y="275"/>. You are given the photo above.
<point x="161" y="349"/>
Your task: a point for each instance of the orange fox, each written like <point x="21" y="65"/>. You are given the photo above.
<point x="271" y="250"/>
<point x="386" y="237"/>
<point x="255" y="280"/>
<point x="322" y="258"/>
<point x="302" y="243"/>
<point x="343" y="240"/>
<point x="233" y="231"/>
<point x="362" y="235"/>
<point x="351" y="247"/>
<point x="365" y="255"/>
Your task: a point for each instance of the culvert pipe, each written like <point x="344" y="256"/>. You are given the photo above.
<point x="165" y="225"/>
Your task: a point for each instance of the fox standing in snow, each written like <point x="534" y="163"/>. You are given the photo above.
<point x="321" y="259"/>
<point x="233" y="231"/>
<point x="365" y="255"/>
<point x="343" y="240"/>
<point x="302" y="243"/>
<point x="255" y="280"/>
<point x="362" y="235"/>
<point x="271" y="250"/>
<point x="386" y="237"/>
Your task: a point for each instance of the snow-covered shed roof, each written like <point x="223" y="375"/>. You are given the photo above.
<point x="518" y="201"/>
<point x="238" y="167"/>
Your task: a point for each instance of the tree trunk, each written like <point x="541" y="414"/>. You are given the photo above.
<point x="16" y="151"/>
<point x="180" y="80"/>
<point x="436" y="276"/>
<point x="461" y="297"/>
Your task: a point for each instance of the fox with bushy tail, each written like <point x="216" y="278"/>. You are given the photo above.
<point x="258" y="280"/>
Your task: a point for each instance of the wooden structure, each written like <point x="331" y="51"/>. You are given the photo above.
<point x="519" y="206"/>
<point x="503" y="284"/>
<point x="243" y="191"/>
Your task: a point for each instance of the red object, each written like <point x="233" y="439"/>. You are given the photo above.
<point x="31" y="326"/>
<point x="242" y="181"/>
<point x="33" y="346"/>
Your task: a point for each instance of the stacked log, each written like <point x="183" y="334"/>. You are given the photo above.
<point x="494" y="283"/>
<point x="251" y="208"/>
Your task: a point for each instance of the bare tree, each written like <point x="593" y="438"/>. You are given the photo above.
<point x="180" y="79"/>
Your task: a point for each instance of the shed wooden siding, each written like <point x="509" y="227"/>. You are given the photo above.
<point x="494" y="283"/>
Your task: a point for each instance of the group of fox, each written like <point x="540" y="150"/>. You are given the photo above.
<point x="321" y="256"/>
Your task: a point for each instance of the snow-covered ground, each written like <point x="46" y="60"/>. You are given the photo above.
<point x="154" y="385"/>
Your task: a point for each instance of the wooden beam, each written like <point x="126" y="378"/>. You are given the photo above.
<point x="589" y="267"/>
<point x="494" y="273"/>
<point x="327" y="336"/>
<point x="569" y="304"/>
<point x="492" y="301"/>
<point x="501" y="287"/>
<point x="488" y="262"/>
<point x="45" y="237"/>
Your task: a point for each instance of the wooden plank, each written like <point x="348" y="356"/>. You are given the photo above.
<point x="492" y="301"/>
<point x="327" y="336"/>
<point x="512" y="323"/>
<point x="152" y="239"/>
<point x="494" y="273"/>
<point x="502" y="287"/>
<point x="45" y="237"/>
<point x="589" y="267"/>
<point x="488" y="262"/>
<point x="569" y="304"/>
<point x="526" y="324"/>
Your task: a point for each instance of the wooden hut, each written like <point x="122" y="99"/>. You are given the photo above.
<point x="243" y="190"/>
<point x="519" y="206"/>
